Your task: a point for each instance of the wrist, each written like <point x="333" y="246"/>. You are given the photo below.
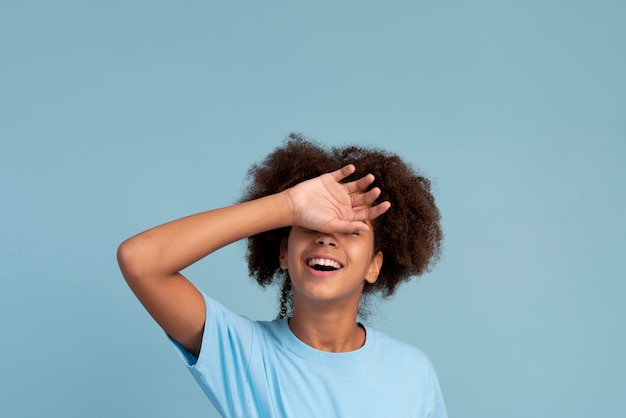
<point x="286" y="207"/>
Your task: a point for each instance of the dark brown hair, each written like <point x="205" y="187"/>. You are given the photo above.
<point x="408" y="234"/>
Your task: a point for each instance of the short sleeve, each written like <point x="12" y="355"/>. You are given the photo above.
<point x="221" y="368"/>
<point x="439" y="406"/>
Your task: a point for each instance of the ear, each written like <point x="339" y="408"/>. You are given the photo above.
<point x="282" y="257"/>
<point x="374" y="269"/>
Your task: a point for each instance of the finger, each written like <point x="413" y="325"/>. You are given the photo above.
<point x="360" y="199"/>
<point x="373" y="212"/>
<point x="348" y="227"/>
<point x="360" y="184"/>
<point x="343" y="172"/>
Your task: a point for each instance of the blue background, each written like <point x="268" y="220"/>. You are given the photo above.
<point x="116" y="116"/>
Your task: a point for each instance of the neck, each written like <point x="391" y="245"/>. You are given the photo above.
<point x="332" y="330"/>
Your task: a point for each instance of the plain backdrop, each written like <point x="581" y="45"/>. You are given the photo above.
<point x="116" y="116"/>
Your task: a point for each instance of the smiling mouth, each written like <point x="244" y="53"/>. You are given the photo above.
<point x="323" y="264"/>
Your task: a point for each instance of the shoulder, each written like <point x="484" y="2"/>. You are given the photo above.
<point x="394" y="361"/>
<point x="398" y="352"/>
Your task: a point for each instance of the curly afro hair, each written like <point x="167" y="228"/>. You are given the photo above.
<point x="408" y="234"/>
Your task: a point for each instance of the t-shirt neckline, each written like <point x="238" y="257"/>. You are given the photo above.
<point x="305" y="351"/>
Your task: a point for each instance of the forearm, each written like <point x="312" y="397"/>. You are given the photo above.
<point x="171" y="247"/>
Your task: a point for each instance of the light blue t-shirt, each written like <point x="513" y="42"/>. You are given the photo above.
<point x="261" y="369"/>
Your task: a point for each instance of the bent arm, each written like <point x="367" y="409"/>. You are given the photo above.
<point x="152" y="260"/>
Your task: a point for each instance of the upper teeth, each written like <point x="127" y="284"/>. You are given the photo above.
<point x="324" y="262"/>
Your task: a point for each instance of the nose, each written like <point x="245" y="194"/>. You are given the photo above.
<point x="325" y="239"/>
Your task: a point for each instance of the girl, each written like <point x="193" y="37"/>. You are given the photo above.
<point x="331" y="227"/>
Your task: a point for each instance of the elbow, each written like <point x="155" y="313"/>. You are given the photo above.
<point x="130" y="259"/>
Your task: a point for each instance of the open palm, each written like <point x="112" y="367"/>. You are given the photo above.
<point x="326" y="205"/>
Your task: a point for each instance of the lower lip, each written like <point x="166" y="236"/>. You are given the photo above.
<point x="321" y="274"/>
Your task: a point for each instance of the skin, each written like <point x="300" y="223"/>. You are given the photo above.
<point x="326" y="302"/>
<point x="152" y="260"/>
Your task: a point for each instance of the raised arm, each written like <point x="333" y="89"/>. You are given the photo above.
<point x="152" y="260"/>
